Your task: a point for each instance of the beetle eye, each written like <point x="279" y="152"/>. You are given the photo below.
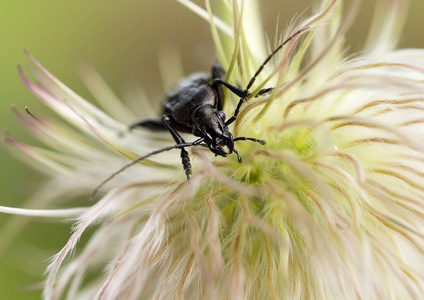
<point x="221" y="115"/>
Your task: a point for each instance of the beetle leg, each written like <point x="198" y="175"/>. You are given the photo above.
<point x="218" y="73"/>
<point x="236" y="90"/>
<point x="264" y="91"/>
<point x="185" y="159"/>
<point x="236" y="112"/>
<point x="239" y="92"/>
<point x="153" y="125"/>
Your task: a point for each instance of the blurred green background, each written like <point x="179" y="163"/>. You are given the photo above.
<point x="122" y="40"/>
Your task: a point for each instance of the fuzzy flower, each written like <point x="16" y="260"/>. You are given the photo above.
<point x="332" y="207"/>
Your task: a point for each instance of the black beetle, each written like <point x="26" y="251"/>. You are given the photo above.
<point x="195" y="106"/>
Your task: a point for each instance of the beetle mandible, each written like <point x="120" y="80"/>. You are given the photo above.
<point x="195" y="106"/>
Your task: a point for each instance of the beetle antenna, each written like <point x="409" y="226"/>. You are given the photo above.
<point x="272" y="54"/>
<point x="135" y="161"/>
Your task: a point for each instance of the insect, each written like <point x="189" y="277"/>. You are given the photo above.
<point x="195" y="106"/>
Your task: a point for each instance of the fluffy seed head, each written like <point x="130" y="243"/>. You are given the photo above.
<point x="331" y="207"/>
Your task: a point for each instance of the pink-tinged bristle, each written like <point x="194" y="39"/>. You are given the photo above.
<point x="50" y="75"/>
<point x="39" y="65"/>
<point x="37" y="91"/>
<point x="92" y="128"/>
<point x="11" y="141"/>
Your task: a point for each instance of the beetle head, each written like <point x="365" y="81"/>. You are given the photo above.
<point x="210" y="125"/>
